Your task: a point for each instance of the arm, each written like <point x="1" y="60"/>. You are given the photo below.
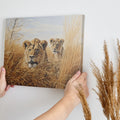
<point x="64" y="107"/>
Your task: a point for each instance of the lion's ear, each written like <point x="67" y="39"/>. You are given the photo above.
<point x="26" y="44"/>
<point x="62" y="41"/>
<point x="36" y="40"/>
<point x="52" y="40"/>
<point x="44" y="44"/>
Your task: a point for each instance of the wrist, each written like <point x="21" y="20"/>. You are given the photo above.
<point x="67" y="105"/>
<point x="73" y="101"/>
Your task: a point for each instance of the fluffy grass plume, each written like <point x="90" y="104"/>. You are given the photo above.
<point x="108" y="84"/>
<point x="86" y="109"/>
<point x="72" y="58"/>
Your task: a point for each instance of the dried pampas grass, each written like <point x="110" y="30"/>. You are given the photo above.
<point x="108" y="84"/>
<point x="86" y="109"/>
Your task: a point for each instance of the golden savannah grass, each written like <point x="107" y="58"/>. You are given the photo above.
<point x="73" y="54"/>
<point x="108" y="84"/>
<point x="48" y="74"/>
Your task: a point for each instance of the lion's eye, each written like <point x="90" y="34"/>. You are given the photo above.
<point x="29" y="49"/>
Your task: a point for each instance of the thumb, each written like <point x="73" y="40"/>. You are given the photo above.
<point x="2" y="73"/>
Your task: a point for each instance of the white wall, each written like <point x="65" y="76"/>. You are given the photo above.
<point x="102" y="22"/>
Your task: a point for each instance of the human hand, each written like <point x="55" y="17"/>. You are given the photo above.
<point x="3" y="84"/>
<point x="71" y="92"/>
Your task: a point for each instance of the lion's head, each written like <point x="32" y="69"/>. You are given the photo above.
<point x="35" y="52"/>
<point x="57" y="45"/>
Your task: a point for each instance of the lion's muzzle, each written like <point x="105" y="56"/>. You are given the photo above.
<point x="31" y="63"/>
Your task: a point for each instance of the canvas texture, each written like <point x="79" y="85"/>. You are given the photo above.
<point x="43" y="51"/>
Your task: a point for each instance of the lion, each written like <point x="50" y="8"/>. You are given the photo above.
<point x="35" y="52"/>
<point x="57" y="47"/>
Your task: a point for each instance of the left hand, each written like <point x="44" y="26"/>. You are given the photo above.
<point x="71" y="92"/>
<point x="3" y="84"/>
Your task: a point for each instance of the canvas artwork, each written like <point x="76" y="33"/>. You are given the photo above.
<point x="43" y="51"/>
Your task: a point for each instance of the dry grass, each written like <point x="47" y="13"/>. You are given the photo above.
<point x="45" y="75"/>
<point x="42" y="76"/>
<point x="72" y="58"/>
<point x="86" y="109"/>
<point x="108" y="84"/>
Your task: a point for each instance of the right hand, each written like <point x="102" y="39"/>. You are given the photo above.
<point x="3" y="84"/>
<point x="71" y="92"/>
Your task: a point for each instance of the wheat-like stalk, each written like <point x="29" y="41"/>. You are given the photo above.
<point x="108" y="90"/>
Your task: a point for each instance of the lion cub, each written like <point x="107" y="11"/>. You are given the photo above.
<point x="57" y="48"/>
<point x="35" y="52"/>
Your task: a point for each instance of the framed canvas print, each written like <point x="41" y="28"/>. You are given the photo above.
<point x="43" y="51"/>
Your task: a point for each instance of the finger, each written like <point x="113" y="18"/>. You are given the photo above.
<point x="2" y="73"/>
<point x="83" y="77"/>
<point x="76" y="76"/>
<point x="84" y="88"/>
<point x="86" y="91"/>
<point x="7" y="88"/>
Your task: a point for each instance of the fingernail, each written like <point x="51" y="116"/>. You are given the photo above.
<point x="78" y="72"/>
<point x="3" y="69"/>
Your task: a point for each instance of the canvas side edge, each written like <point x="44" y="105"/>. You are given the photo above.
<point x="82" y="49"/>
